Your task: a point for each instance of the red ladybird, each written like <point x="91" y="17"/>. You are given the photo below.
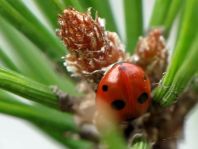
<point x="126" y="89"/>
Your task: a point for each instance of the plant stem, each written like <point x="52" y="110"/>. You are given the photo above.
<point x="133" y="22"/>
<point x="27" y="88"/>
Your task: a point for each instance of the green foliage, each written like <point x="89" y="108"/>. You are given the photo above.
<point x="103" y="9"/>
<point x="185" y="73"/>
<point x="172" y="12"/>
<point x="38" y="113"/>
<point x="182" y="66"/>
<point x="41" y="117"/>
<point x="7" y="61"/>
<point x="30" y="60"/>
<point x="164" y="14"/>
<point x="159" y="12"/>
<point x="34" y="51"/>
<point x="140" y="143"/>
<point x="27" y="88"/>
<point x="133" y="23"/>
<point x="26" y="22"/>
<point x="111" y="135"/>
<point x="50" y="10"/>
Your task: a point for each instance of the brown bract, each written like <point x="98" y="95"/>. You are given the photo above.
<point x="151" y="54"/>
<point x="91" y="48"/>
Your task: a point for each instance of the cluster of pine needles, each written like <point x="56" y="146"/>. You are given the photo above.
<point x="35" y="86"/>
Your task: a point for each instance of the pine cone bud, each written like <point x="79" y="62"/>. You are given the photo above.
<point x="91" y="48"/>
<point x="152" y="55"/>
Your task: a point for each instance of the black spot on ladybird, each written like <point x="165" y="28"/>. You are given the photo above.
<point x="118" y="104"/>
<point x="105" y="88"/>
<point x="142" y="98"/>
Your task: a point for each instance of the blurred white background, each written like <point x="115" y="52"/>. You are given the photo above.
<point x="18" y="134"/>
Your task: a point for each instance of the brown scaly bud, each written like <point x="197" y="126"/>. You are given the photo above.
<point x="91" y="48"/>
<point x="151" y="54"/>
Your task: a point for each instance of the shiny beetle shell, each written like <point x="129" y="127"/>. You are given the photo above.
<point x="125" y="89"/>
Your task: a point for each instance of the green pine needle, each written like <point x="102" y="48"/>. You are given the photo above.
<point x="31" y="61"/>
<point x="140" y="143"/>
<point x="26" y="111"/>
<point x="7" y="61"/>
<point x="38" y="114"/>
<point x="27" y="88"/>
<point x="186" y="36"/>
<point x="26" y="22"/>
<point x="65" y="140"/>
<point x="183" y="76"/>
<point x="133" y="23"/>
<point x="159" y="12"/>
<point x="50" y="10"/>
<point x="33" y="50"/>
<point x="171" y="15"/>
<point x="103" y="10"/>
<point x="111" y="134"/>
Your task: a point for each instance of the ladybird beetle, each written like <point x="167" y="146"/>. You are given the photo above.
<point x="126" y="90"/>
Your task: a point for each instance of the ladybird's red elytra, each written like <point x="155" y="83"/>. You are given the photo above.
<point x="126" y="90"/>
